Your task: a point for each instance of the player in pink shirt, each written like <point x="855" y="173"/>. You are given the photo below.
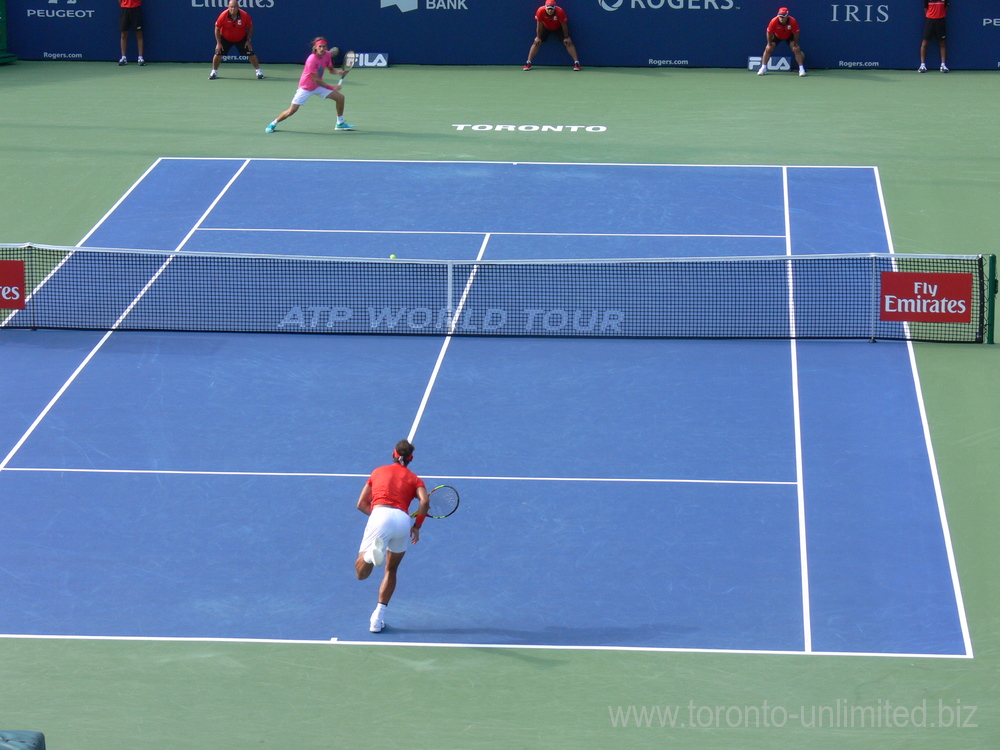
<point x="783" y="28"/>
<point x="311" y="84"/>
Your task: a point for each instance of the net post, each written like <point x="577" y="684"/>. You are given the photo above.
<point x="991" y="297"/>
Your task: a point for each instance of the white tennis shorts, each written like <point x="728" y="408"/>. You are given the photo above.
<point x="391" y="524"/>
<point x="301" y="94"/>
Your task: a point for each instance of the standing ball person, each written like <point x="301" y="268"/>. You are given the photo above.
<point x="233" y="27"/>
<point x="311" y="84"/>
<point x="130" y="17"/>
<point x="934" y="26"/>
<point x="386" y="499"/>
<point x="551" y="19"/>
<point x="783" y="28"/>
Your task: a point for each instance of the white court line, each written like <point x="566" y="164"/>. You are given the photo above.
<point x="421" y="644"/>
<point x="447" y="341"/>
<point x="932" y="461"/>
<point x="106" y="336"/>
<point x="525" y="163"/>
<point x="500" y="234"/>
<point x="623" y="480"/>
<point x="797" y="423"/>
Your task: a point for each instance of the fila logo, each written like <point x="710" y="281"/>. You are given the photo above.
<point x="775" y="63"/>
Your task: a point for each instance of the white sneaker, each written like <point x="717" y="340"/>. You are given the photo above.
<point x="944" y="68"/>
<point x="762" y="71"/>
<point x="802" y="71"/>
<point x="213" y="75"/>
<point x="376" y="555"/>
<point x="376" y="623"/>
<point x="922" y="68"/>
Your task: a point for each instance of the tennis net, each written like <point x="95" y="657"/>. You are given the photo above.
<point x="873" y="296"/>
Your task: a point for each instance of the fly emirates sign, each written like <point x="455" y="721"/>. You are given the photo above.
<point x="926" y="297"/>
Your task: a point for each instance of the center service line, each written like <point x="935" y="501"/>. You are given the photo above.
<point x="447" y="340"/>
<point x="797" y="421"/>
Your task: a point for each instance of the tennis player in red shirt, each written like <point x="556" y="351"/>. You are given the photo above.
<point x="783" y="28"/>
<point x="386" y="499"/>
<point x="551" y="19"/>
<point x="935" y="11"/>
<point x="233" y="27"/>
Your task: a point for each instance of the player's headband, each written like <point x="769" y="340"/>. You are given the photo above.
<point x="322" y="41"/>
<point x="395" y="454"/>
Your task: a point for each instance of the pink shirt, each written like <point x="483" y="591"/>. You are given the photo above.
<point x="314" y="65"/>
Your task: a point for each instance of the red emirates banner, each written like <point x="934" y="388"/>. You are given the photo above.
<point x="12" y="284"/>
<point x="926" y="297"/>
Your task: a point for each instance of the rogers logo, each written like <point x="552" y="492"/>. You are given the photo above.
<point x="11" y="293"/>
<point x="672" y="4"/>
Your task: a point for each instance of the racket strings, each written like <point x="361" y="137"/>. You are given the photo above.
<point x="444" y="501"/>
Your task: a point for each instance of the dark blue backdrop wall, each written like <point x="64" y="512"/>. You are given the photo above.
<point x="695" y="33"/>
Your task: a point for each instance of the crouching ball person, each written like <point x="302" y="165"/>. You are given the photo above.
<point x="783" y="28"/>
<point x="386" y="499"/>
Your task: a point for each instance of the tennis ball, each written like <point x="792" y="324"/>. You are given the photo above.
<point x="393" y="256"/>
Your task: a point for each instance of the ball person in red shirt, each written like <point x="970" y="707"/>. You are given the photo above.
<point x="233" y="27"/>
<point x="386" y="499"/>
<point x="130" y="17"/>
<point x="783" y="28"/>
<point x="935" y="11"/>
<point x="551" y="19"/>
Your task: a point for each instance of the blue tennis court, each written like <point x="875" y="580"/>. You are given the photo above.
<point x="751" y="495"/>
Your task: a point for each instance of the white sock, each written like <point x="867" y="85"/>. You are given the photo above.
<point x="340" y="119"/>
<point x="257" y="69"/>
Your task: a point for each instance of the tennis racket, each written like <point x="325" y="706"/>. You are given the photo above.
<point x="350" y="57"/>
<point x="444" y="502"/>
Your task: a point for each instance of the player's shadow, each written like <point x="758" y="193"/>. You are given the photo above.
<point x="649" y="635"/>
